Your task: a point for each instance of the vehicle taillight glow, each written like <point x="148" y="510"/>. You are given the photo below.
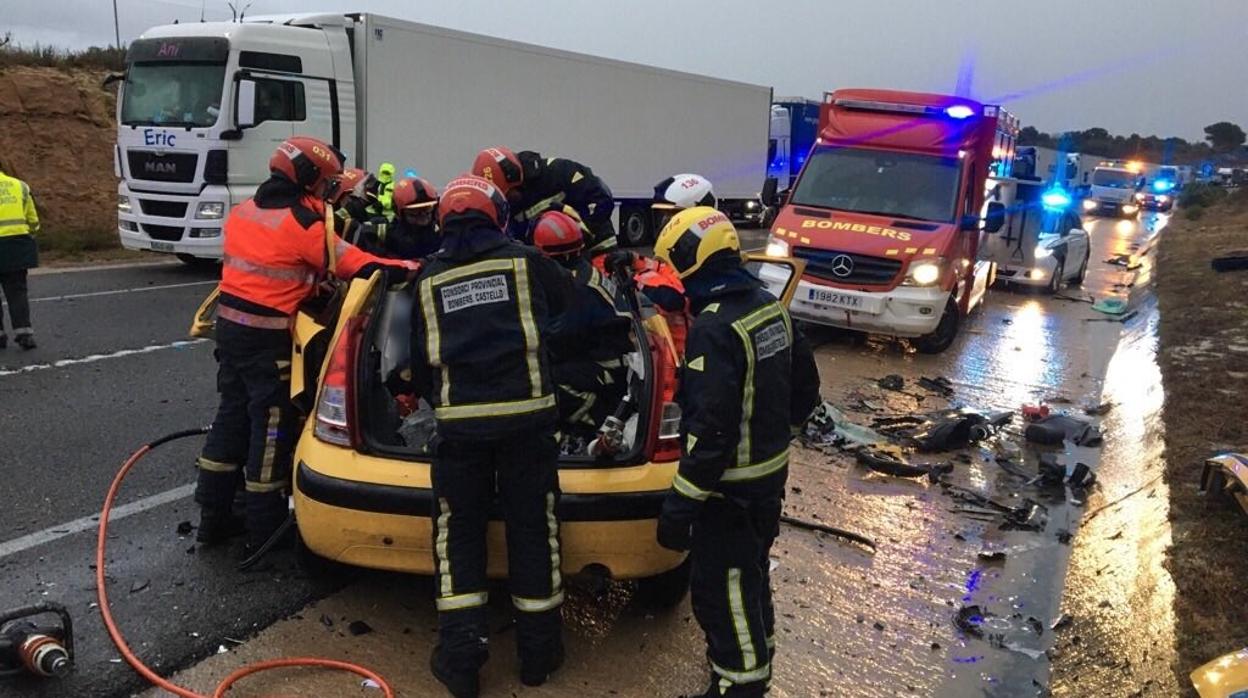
<point x="665" y="420"/>
<point x="335" y="408"/>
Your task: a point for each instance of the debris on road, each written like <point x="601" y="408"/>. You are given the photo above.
<point x="139" y="586"/>
<point x="1128" y="261"/>
<point x="944" y="431"/>
<point x="1234" y="261"/>
<point x="892" y="382"/>
<point x="939" y="385"/>
<point x="1062" y="621"/>
<point x="1110" y="306"/>
<point x="1055" y="429"/>
<point x="992" y="556"/>
<point x="890" y="460"/>
<point x="358" y="628"/>
<point x="830" y="530"/>
<point x="185" y="528"/>
<point x="1098" y="410"/>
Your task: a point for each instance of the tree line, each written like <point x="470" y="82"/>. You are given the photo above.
<point x="1224" y="141"/>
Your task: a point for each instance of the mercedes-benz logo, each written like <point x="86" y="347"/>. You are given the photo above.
<point x="842" y="265"/>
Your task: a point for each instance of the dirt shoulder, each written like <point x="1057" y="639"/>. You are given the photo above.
<point x="1204" y="364"/>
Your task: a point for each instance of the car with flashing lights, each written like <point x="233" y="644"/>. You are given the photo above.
<point x="890" y="210"/>
<point x="1043" y="244"/>
<point x="362" y="491"/>
<point x="1160" y="193"/>
<point x="1113" y="189"/>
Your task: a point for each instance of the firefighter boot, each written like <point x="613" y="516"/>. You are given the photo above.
<point x="266" y="512"/>
<point x="721" y="688"/>
<point x="534" y="673"/>
<point x="217" y="526"/>
<point x="4" y="341"/>
<point x="461" y="683"/>
<point x="26" y="341"/>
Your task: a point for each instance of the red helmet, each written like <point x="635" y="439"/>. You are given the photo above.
<point x="350" y="181"/>
<point x="557" y="234"/>
<point x="468" y="194"/>
<point x="306" y="161"/>
<point x="414" y="193"/>
<point x="500" y="166"/>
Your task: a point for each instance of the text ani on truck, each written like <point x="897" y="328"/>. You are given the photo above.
<point x="887" y="213"/>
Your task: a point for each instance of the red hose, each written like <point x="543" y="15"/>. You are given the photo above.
<point x="139" y="666"/>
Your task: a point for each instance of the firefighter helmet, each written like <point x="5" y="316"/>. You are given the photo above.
<point x="306" y="161"/>
<point x="695" y="236"/>
<point x="350" y="182"/>
<point x="500" y="166"/>
<point x="557" y="234"/>
<point x="684" y="191"/>
<point x="468" y="195"/>
<point x="414" y="193"/>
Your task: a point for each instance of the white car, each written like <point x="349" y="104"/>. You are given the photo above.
<point x="1059" y="256"/>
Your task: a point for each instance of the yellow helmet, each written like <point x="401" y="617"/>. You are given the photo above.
<point x="693" y="236"/>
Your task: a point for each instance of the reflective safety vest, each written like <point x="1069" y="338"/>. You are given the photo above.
<point x="17" y="208"/>
<point x="274" y="257"/>
<point x="478" y="335"/>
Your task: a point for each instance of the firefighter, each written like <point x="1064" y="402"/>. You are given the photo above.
<point x="479" y="358"/>
<point x="534" y="185"/>
<point x="347" y="193"/>
<point x="682" y="191"/>
<point x="588" y="340"/>
<point x="747" y="380"/>
<point x="276" y="248"/>
<point x="19" y="221"/>
<point x="414" y="233"/>
<point x="382" y="192"/>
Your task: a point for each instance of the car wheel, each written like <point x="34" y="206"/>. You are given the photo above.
<point x="1057" y="280"/>
<point x="1083" y="269"/>
<point x="635" y="230"/>
<point x="665" y="591"/>
<point x="944" y="334"/>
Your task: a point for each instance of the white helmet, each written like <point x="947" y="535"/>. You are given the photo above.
<point x="684" y="191"/>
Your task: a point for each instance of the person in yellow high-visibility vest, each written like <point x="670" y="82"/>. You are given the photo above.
<point x="18" y="253"/>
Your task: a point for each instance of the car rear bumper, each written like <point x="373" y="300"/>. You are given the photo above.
<point x="385" y="526"/>
<point x="906" y="311"/>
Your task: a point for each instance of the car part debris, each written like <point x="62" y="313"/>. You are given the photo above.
<point x="1058" y="428"/>
<point x="1234" y="261"/>
<point x="1010" y="633"/>
<point x="940" y="385"/>
<point x="1130" y="262"/>
<point x="1226" y="473"/>
<point x="1110" y="306"/>
<point x="1028" y="516"/>
<point x="28" y="647"/>
<point x="1062" y="621"/>
<point x="892" y="382"/>
<point x="1224" y="677"/>
<point x="1124" y="319"/>
<point x="1098" y="410"/>
<point x="1032" y="413"/>
<point x="889" y="460"/>
<point x="991" y="556"/>
<point x="945" y="431"/>
<point x="820" y="428"/>
<point x="1074" y="299"/>
<point x="830" y="530"/>
<point x="849" y="432"/>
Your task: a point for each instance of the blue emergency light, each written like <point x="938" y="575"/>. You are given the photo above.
<point x="959" y="111"/>
<point x="1055" y="199"/>
<point x="410" y="173"/>
<point x="1163" y="185"/>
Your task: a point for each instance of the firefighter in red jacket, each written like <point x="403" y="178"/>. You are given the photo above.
<point x="276" y="251"/>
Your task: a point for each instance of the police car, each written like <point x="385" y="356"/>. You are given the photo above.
<point x="362" y="491"/>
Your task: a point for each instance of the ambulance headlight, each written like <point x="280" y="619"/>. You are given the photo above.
<point x="924" y="272"/>
<point x="1089" y="205"/>
<point x="777" y="248"/>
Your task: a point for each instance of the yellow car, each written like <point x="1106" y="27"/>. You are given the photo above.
<point x="362" y="491"/>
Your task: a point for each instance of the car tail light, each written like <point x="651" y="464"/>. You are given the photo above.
<point x="336" y="421"/>
<point x="665" y="423"/>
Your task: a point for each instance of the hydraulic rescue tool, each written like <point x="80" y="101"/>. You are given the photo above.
<point x="28" y="646"/>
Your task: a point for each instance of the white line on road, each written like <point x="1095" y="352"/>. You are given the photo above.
<point x="182" y="344"/>
<point x="114" y="292"/>
<point x="48" y="271"/>
<point x="87" y="523"/>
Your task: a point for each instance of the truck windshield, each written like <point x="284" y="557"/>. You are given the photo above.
<point x="173" y="94"/>
<point x="1117" y="179"/>
<point x="907" y="185"/>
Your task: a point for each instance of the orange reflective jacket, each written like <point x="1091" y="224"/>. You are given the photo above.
<point x="274" y="257"/>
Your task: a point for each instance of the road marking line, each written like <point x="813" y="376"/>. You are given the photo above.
<point x="88" y="523"/>
<point x="50" y="271"/>
<point x="181" y="344"/>
<point x="114" y="292"/>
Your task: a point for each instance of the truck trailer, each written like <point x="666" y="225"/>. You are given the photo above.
<point x="890" y="210"/>
<point x="202" y="106"/>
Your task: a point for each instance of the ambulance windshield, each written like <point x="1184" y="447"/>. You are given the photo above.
<point x="906" y="185"/>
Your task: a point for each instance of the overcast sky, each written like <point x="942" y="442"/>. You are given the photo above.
<point x="1165" y="67"/>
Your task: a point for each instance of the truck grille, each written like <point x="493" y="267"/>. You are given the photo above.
<point x="170" y="167"/>
<point x="164" y="209"/>
<point x="848" y="267"/>
<point x="168" y="233"/>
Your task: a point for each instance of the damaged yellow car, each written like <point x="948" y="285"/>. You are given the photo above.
<point x="361" y="485"/>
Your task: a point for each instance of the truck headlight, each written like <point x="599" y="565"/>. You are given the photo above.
<point x="1130" y="208"/>
<point x="1089" y="204"/>
<point x="210" y="210"/>
<point x="924" y="272"/>
<point x="777" y="248"/>
<point x="751" y="205"/>
<point x="1139" y="196"/>
<point x="123" y="203"/>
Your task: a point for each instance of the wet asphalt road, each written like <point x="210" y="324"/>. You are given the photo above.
<point x="851" y="624"/>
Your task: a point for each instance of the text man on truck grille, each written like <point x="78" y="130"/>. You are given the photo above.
<point x="748" y="380"/>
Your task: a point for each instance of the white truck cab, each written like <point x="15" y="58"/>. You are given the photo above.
<point x="1112" y="191"/>
<point x="200" y="110"/>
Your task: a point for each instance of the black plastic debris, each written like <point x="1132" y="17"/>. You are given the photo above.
<point x="185" y="528"/>
<point x="970" y="620"/>
<point x="940" y="385"/>
<point x="945" y="430"/>
<point x="1081" y="477"/>
<point x="992" y="556"/>
<point x="889" y="462"/>
<point x="1234" y="261"/>
<point x="1055" y="429"/>
<point x="358" y="628"/>
<point x="1062" y="621"/>
<point x="892" y="382"/>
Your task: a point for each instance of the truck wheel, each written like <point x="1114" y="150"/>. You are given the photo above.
<point x="1056" y="283"/>
<point x="945" y="332"/>
<point x="665" y="591"/>
<point x="635" y="230"/>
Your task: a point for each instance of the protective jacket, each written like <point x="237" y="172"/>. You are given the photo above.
<point x="550" y="183"/>
<point x="592" y="328"/>
<point x="402" y="240"/>
<point x="276" y="251"/>
<point x="19" y="221"/>
<point x="483" y="284"/>
<point x="749" y="377"/>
